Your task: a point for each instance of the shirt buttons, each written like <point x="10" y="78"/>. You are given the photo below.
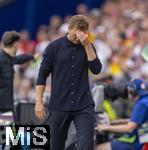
<point x="72" y="66"/>
<point x="73" y="56"/>
<point x="72" y="75"/>
<point x="72" y="101"/>
<point x="71" y="93"/>
<point x="72" y="83"/>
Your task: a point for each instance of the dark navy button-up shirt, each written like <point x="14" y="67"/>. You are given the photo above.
<point x="6" y="77"/>
<point x="68" y="65"/>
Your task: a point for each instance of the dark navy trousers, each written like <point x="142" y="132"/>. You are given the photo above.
<point x="60" y="122"/>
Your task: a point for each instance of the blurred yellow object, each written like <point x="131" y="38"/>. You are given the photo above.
<point x="91" y="37"/>
<point x="128" y="43"/>
<point x="115" y="69"/>
<point x="109" y="110"/>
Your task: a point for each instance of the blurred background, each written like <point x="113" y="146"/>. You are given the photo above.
<point x="20" y="14"/>
<point x="118" y="30"/>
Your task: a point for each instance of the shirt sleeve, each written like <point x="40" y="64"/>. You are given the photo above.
<point x="46" y="66"/>
<point x="138" y="113"/>
<point x="20" y="59"/>
<point x="95" y="65"/>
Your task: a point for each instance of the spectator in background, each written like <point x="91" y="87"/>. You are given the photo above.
<point x="29" y="71"/>
<point x="54" y="23"/>
<point x="115" y="68"/>
<point x="64" y="27"/>
<point x="26" y="44"/>
<point x="42" y="39"/>
<point x="103" y="49"/>
<point x="82" y="9"/>
<point x="26" y="91"/>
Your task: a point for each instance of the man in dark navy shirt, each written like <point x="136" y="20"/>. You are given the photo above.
<point x="8" y="58"/>
<point x="68" y="60"/>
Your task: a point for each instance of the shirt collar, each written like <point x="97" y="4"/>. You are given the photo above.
<point x="69" y="43"/>
<point x="6" y="54"/>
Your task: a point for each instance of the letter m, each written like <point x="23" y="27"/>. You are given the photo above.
<point x="10" y="136"/>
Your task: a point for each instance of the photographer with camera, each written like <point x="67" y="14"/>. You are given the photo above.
<point x="137" y="91"/>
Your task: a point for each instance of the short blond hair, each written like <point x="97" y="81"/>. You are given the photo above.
<point x="80" y="22"/>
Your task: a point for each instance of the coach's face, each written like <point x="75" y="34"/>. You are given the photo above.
<point x="72" y="35"/>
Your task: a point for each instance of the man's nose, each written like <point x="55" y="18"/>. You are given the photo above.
<point x="76" y="38"/>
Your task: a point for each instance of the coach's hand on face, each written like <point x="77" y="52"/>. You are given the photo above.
<point x="83" y="37"/>
<point x="40" y="111"/>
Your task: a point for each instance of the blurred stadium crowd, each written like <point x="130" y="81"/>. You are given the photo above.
<point x="119" y="32"/>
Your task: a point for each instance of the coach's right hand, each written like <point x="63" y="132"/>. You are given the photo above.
<point x="40" y="111"/>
